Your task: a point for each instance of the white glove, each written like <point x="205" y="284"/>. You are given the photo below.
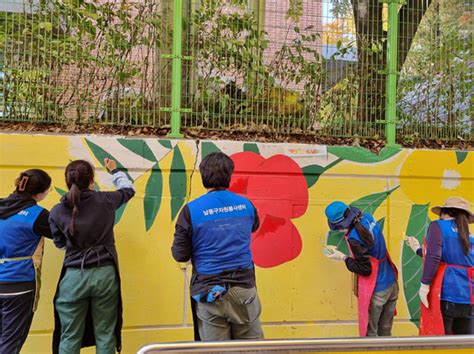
<point x="413" y="243"/>
<point x="424" y="291"/>
<point x="333" y="253"/>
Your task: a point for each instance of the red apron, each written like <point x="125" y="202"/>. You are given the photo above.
<point x="431" y="319"/>
<point x="365" y="290"/>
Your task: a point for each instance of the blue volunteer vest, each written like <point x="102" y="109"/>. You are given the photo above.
<point x="385" y="275"/>
<point x="17" y="239"/>
<point x="456" y="284"/>
<point x="222" y="227"/>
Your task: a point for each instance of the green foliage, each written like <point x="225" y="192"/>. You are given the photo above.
<point x="77" y="56"/>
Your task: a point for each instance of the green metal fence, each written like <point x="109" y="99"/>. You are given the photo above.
<point x="323" y="67"/>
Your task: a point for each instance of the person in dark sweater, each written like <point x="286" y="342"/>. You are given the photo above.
<point x="23" y="224"/>
<point x="446" y="289"/>
<point x="370" y="260"/>
<point x="88" y="303"/>
<point x="214" y="232"/>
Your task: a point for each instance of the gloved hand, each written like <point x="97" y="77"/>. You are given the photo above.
<point x="413" y="243"/>
<point x="424" y="291"/>
<point x="333" y="253"/>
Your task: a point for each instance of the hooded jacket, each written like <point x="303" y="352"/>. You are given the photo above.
<point x="22" y="224"/>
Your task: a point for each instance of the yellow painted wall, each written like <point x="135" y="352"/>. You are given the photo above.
<point x="307" y="296"/>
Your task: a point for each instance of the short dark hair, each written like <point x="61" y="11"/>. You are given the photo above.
<point x="216" y="170"/>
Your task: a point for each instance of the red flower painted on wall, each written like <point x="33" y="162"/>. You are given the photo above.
<point x="278" y="189"/>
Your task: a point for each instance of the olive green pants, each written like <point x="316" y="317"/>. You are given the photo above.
<point x="94" y="287"/>
<point x="235" y="316"/>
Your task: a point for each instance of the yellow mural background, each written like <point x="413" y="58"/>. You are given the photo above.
<point x="307" y="297"/>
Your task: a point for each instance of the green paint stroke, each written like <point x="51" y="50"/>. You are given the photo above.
<point x="360" y="154"/>
<point x="153" y="194"/>
<point x="100" y="154"/>
<point x="119" y="213"/>
<point x="252" y="147"/>
<point x="371" y="202"/>
<point x="165" y="143"/>
<point x="313" y="172"/>
<point x="207" y="147"/>
<point x="381" y="223"/>
<point x="337" y="238"/>
<point x="60" y="191"/>
<point x="139" y="147"/>
<point x="412" y="263"/>
<point x="177" y="182"/>
<point x="461" y="156"/>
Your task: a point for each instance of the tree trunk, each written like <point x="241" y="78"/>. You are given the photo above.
<point x="410" y="16"/>
<point x="371" y="59"/>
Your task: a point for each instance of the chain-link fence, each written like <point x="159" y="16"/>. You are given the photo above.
<point x="287" y="66"/>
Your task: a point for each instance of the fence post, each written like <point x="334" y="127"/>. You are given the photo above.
<point x="176" y="70"/>
<point x="392" y="73"/>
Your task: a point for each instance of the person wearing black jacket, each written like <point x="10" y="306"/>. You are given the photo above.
<point x="88" y="303"/>
<point x="23" y="224"/>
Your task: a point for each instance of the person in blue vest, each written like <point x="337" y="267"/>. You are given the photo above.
<point x="88" y="301"/>
<point x="370" y="260"/>
<point x="215" y="232"/>
<point x="447" y="284"/>
<point x="23" y="224"/>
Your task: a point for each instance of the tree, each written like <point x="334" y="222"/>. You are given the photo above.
<point x="371" y="39"/>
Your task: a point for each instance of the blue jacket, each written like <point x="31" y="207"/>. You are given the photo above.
<point x="457" y="286"/>
<point x="18" y="239"/>
<point x="222" y="224"/>
<point x="386" y="274"/>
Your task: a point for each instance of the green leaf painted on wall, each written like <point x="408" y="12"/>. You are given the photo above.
<point x="360" y="154"/>
<point x="411" y="262"/>
<point x="119" y="213"/>
<point x="207" y="147"/>
<point x="165" y="143"/>
<point x="177" y="182"/>
<point x="371" y="202"/>
<point x="252" y="147"/>
<point x="461" y="156"/>
<point x="153" y="194"/>
<point x="60" y="191"/>
<point x="139" y="147"/>
<point x="381" y="223"/>
<point x="313" y="172"/>
<point x="100" y="154"/>
<point x="337" y="238"/>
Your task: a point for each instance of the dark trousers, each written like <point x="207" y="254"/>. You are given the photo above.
<point x="457" y="318"/>
<point x="16" y="314"/>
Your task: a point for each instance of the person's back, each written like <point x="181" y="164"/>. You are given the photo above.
<point x="457" y="281"/>
<point x="23" y="224"/>
<point x="385" y="274"/>
<point x="222" y="227"/>
<point x="88" y="305"/>
<point x="214" y="232"/>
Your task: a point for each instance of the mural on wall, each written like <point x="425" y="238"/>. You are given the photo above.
<point x="290" y="184"/>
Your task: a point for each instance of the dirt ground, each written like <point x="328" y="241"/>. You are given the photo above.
<point x="374" y="145"/>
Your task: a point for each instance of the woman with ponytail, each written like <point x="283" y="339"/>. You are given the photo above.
<point x="88" y="303"/>
<point x="377" y="288"/>
<point x="447" y="284"/>
<point x="23" y="224"/>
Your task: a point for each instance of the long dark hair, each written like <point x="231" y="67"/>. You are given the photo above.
<point x="79" y="175"/>
<point x="32" y="182"/>
<point x="362" y="231"/>
<point x="461" y="218"/>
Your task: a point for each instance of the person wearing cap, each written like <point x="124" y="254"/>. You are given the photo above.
<point x="447" y="284"/>
<point x="377" y="287"/>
